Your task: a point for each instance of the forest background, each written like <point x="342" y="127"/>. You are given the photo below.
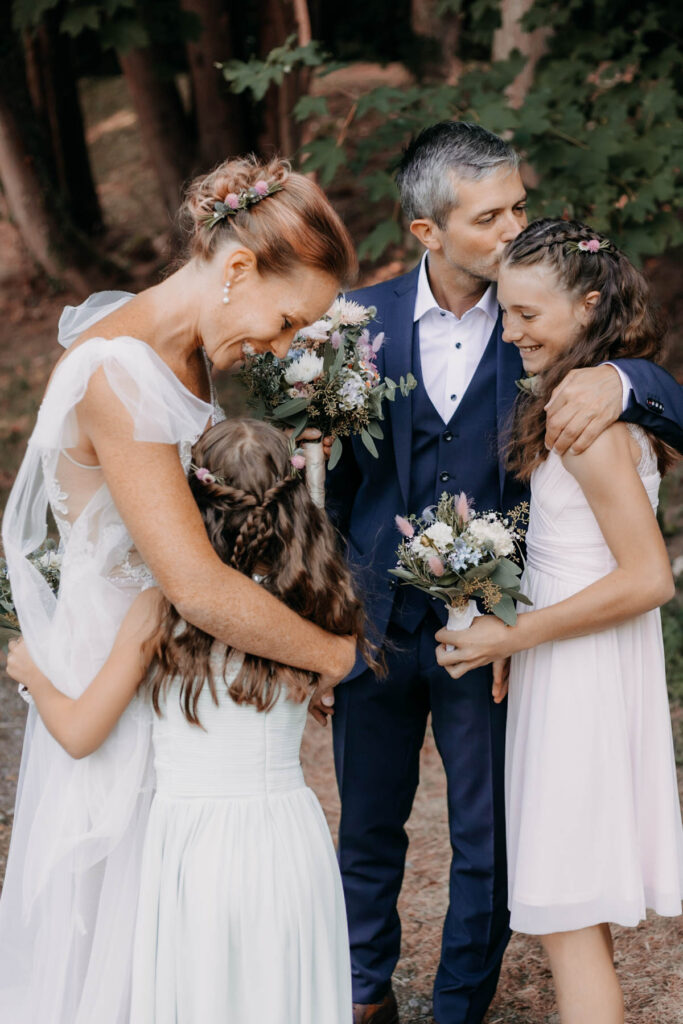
<point x="107" y="108"/>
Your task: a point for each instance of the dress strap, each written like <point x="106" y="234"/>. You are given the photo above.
<point x="81" y="465"/>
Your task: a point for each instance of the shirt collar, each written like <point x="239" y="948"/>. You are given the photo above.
<point x="424" y="300"/>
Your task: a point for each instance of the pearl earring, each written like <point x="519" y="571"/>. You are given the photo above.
<point x="226" y="293"/>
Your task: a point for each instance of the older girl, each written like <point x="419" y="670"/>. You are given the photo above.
<point x="593" y="819"/>
<point x="265" y="255"/>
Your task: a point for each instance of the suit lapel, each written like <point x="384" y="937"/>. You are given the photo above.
<point x="509" y="369"/>
<point x="398" y="327"/>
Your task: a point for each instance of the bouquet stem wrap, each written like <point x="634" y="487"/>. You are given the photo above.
<point x="461" y="616"/>
<point x="315" y="471"/>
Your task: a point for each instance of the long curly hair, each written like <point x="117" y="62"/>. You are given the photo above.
<point x="258" y="518"/>
<point x="623" y="324"/>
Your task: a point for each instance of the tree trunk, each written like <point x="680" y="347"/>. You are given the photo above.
<point x="162" y="123"/>
<point x="511" y="36"/>
<point x="55" y="98"/>
<point x="220" y="113"/>
<point x="444" y="30"/>
<point x="284" y="18"/>
<point x="35" y="221"/>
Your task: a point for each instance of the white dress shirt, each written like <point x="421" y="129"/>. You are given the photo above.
<point x="451" y="347"/>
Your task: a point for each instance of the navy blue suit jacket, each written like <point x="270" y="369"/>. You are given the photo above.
<point x="364" y="494"/>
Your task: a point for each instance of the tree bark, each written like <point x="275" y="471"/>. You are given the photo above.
<point x="36" y="223"/>
<point x="221" y="126"/>
<point x="162" y="123"/>
<point x="511" y="36"/>
<point x="55" y="98"/>
<point x="444" y="30"/>
<point x="282" y="19"/>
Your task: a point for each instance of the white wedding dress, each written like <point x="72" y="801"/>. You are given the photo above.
<point x="593" y="818"/>
<point x="241" y="917"/>
<point x="68" y="906"/>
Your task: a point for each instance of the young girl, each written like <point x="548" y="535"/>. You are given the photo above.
<point x="593" y="820"/>
<point x="241" y="913"/>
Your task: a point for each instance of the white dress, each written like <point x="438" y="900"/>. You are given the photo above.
<point x="241" y="917"/>
<point x="67" y="912"/>
<point x="593" y="818"/>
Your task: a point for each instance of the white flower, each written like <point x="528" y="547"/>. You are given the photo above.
<point x="351" y="314"/>
<point x="50" y="560"/>
<point x="441" y="537"/>
<point x="352" y="394"/>
<point x="319" y="331"/>
<point x="491" y="535"/>
<point x="305" y="369"/>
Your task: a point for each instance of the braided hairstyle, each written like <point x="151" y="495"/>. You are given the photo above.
<point x="622" y="324"/>
<point x="257" y="517"/>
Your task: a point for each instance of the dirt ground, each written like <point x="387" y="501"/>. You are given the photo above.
<point x="650" y="957"/>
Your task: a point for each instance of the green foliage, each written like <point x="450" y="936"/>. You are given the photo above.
<point x="600" y="126"/>
<point x="256" y="76"/>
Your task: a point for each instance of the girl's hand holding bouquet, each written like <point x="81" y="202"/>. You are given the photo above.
<point x="329" y="381"/>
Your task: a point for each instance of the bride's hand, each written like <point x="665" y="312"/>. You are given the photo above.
<point x="501" y="680"/>
<point x="313" y="434"/>
<point x="321" y="705"/>
<point x="488" y="639"/>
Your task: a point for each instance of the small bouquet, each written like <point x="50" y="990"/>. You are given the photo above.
<point x="457" y="554"/>
<point x="48" y="562"/>
<point x="328" y="380"/>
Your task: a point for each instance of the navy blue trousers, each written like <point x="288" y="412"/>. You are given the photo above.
<point x="379" y="728"/>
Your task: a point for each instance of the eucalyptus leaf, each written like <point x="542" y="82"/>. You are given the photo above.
<point x="335" y="453"/>
<point x="366" y="438"/>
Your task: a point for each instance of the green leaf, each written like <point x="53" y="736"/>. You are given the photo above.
<point x="28" y="13"/>
<point x="290" y="407"/>
<point x="375" y="429"/>
<point x="369" y="443"/>
<point x="505" y="610"/>
<point x="79" y="18"/>
<point x="387" y="233"/>
<point x="310" y="106"/>
<point x="335" y="453"/>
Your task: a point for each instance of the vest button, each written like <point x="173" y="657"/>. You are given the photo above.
<point x="453" y="398"/>
<point x="447" y="435"/>
<point x="444" y="477"/>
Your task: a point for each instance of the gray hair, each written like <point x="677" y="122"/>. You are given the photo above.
<point x="446" y="150"/>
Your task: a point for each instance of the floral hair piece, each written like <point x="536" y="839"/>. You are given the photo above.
<point x="235" y="202"/>
<point x="590" y="245"/>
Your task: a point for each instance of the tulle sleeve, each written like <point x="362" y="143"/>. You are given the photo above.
<point x="71" y="883"/>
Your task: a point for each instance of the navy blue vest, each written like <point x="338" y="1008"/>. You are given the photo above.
<point x="458" y="456"/>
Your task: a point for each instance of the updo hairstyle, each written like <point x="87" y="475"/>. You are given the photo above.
<point x="296" y="224"/>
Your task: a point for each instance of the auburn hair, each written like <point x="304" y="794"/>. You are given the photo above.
<point x="296" y="224"/>
<point x="622" y="324"/>
<point x="258" y="517"/>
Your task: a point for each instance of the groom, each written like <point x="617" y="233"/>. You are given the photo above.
<point x="461" y="190"/>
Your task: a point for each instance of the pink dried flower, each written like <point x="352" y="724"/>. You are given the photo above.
<point x="377" y="343"/>
<point x="593" y="245"/>
<point x="336" y="340"/>
<point x="462" y="507"/>
<point x="298" y="461"/>
<point x="261" y="187"/>
<point x="204" y="476"/>
<point x="436" y="566"/>
<point x="232" y="200"/>
<point x="404" y="526"/>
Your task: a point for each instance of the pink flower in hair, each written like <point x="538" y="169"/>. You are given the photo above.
<point x="232" y="200"/>
<point x="405" y="527"/>
<point x="204" y="476"/>
<point x="593" y="245"/>
<point x="298" y="461"/>
<point x="261" y="187"/>
<point x="436" y="566"/>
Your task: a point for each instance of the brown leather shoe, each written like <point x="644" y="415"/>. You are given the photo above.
<point x="385" y="1012"/>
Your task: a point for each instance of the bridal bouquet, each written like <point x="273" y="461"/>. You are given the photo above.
<point x="329" y="380"/>
<point x="457" y="554"/>
<point x="48" y="562"/>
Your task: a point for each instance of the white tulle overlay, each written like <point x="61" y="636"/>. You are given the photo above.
<point x="593" y="818"/>
<point x="68" y="904"/>
<point x="241" y="916"/>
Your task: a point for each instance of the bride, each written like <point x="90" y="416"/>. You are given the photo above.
<point x="266" y="255"/>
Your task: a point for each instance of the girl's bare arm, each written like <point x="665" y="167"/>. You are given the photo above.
<point x="82" y="724"/>
<point x="641" y="581"/>
<point x="151" y="493"/>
